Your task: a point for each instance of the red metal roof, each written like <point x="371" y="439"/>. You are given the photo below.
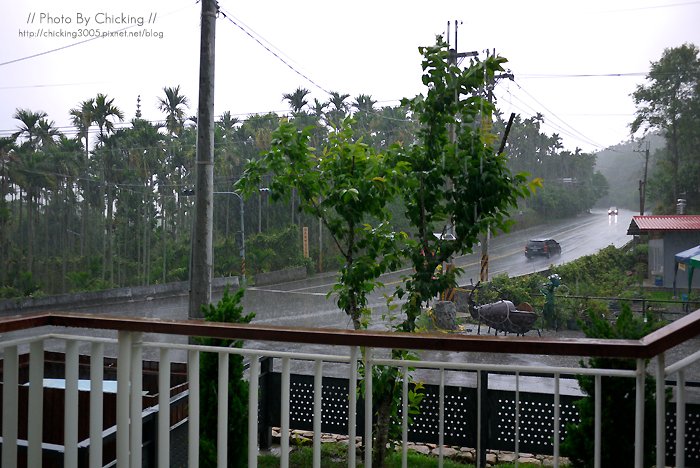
<point x="665" y="223"/>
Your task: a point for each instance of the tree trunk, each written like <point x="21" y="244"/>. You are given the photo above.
<point x="381" y="428"/>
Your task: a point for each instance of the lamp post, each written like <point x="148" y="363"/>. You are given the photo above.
<point x="260" y="190"/>
<point x="242" y="251"/>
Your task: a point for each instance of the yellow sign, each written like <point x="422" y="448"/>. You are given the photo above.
<point x="305" y="236"/>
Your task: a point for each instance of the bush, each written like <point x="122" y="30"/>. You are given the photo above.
<point x="618" y="404"/>
<point x="228" y="310"/>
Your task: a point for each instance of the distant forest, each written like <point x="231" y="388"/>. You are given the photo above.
<point x="111" y="207"/>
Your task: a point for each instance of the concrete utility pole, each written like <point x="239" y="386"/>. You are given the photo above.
<point x="454" y="55"/>
<point x="643" y="183"/>
<point x="201" y="261"/>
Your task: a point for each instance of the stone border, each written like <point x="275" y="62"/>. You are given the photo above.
<point x="458" y="454"/>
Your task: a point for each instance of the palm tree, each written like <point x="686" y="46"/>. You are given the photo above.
<point x="83" y="117"/>
<point x="104" y="112"/>
<point x="319" y="109"/>
<point x="29" y="125"/>
<point x="173" y="104"/>
<point x="297" y="100"/>
<point x="364" y="115"/>
<point x="47" y="133"/>
<point x="364" y="103"/>
<point x="339" y="110"/>
<point x="338" y="101"/>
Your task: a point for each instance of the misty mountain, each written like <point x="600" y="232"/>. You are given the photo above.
<point x="623" y="167"/>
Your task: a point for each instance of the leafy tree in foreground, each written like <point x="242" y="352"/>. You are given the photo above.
<point x="459" y="180"/>
<point x="618" y="404"/>
<point x="348" y="187"/>
<point x="452" y="175"/>
<point x="229" y="310"/>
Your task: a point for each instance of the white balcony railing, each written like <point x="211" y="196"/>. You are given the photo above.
<point x="76" y="336"/>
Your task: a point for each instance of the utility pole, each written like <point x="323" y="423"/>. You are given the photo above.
<point x="453" y="58"/>
<point x="643" y="183"/>
<point x="201" y="261"/>
<point x="484" y="270"/>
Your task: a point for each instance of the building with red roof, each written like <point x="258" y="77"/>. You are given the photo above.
<point x="667" y="235"/>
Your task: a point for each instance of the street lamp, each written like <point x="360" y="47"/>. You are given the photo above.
<point x="261" y="190"/>
<point x="242" y="251"/>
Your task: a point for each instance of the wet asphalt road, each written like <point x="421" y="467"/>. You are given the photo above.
<point x="305" y="303"/>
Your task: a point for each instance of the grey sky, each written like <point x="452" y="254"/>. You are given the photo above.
<point x="574" y="62"/>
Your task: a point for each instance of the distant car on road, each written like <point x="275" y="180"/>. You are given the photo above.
<point x="612" y="210"/>
<point x="544" y="247"/>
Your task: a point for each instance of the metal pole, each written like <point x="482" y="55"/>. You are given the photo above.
<point x="242" y="249"/>
<point x="242" y="238"/>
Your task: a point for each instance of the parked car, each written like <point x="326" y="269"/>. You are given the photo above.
<point x="545" y="247"/>
<point x="612" y="210"/>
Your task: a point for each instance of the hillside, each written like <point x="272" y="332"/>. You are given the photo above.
<point x="623" y="167"/>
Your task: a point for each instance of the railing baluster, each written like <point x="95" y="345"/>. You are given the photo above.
<point x="368" y="408"/>
<point x="284" y="409"/>
<point x="193" y="409"/>
<point x="164" y="408"/>
<point x="660" y="410"/>
<point x="557" y="415"/>
<point x="479" y="422"/>
<point x="441" y="418"/>
<point x="136" y="408"/>
<point x="36" y="403"/>
<point x="352" y="408"/>
<point x="123" y="394"/>
<point x="639" y="415"/>
<point x="97" y="352"/>
<point x="404" y="420"/>
<point x="517" y="417"/>
<point x="10" y="416"/>
<point x="680" y="420"/>
<point x="253" y="385"/>
<point x="70" y="421"/>
<point x="318" y="411"/>
<point x="222" y="419"/>
<point x="597" y="422"/>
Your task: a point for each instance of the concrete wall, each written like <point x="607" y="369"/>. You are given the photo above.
<point x="281" y="276"/>
<point x="109" y="296"/>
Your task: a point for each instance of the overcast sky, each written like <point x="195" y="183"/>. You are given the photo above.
<point x="574" y="62"/>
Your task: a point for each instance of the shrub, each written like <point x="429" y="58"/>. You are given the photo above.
<point x="229" y="310"/>
<point x="618" y="404"/>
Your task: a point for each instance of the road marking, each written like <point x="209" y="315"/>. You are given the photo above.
<point x="292" y="291"/>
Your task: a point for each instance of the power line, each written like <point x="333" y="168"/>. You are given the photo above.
<point x="275" y="54"/>
<point x="581" y="135"/>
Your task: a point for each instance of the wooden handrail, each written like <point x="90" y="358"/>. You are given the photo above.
<point x="657" y="342"/>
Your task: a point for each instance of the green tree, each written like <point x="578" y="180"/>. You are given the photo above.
<point x="461" y="181"/>
<point x="670" y="103"/>
<point x="348" y="187"/>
